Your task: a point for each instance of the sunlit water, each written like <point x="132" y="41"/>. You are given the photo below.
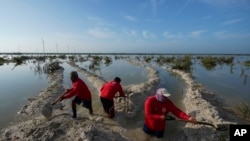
<point x="22" y="82"/>
<point x="17" y="84"/>
<point x="231" y="83"/>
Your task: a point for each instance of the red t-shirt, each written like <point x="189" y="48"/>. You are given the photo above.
<point x="154" y="109"/>
<point x="109" y="89"/>
<point x="79" y="89"/>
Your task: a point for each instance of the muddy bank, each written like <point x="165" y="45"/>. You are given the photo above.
<point x="99" y="128"/>
<point x="60" y="126"/>
<point x="204" y="106"/>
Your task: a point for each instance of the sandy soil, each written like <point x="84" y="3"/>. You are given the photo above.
<point x="59" y="126"/>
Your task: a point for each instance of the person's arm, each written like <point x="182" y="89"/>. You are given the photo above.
<point x="102" y="87"/>
<point x="71" y="92"/>
<point x="177" y="112"/>
<point x="60" y="98"/>
<point x="121" y="92"/>
<point x="148" y="109"/>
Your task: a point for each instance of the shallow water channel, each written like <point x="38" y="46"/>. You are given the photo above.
<point x="122" y="68"/>
<point x="19" y="83"/>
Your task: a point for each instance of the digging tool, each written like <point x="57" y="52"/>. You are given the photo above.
<point x="59" y="98"/>
<point x="219" y="127"/>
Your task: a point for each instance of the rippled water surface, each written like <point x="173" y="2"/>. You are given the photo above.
<point x="229" y="82"/>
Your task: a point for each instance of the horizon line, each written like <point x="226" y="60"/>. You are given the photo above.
<point x="116" y="53"/>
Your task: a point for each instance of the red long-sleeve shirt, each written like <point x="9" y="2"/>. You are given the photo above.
<point x="109" y="89"/>
<point x="79" y="89"/>
<point x="154" y="109"/>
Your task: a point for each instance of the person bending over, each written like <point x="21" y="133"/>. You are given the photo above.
<point x="81" y="92"/>
<point x="107" y="94"/>
<point x="156" y="108"/>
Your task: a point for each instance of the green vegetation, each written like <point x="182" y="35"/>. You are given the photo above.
<point x="2" y="60"/>
<point x="227" y="60"/>
<point x="63" y="56"/>
<point x="20" y="59"/>
<point x="247" y="63"/>
<point x="209" y="62"/>
<point x="244" y="109"/>
<point x="108" y="60"/>
<point x="182" y="63"/>
<point x="162" y="59"/>
<point x="148" y="59"/>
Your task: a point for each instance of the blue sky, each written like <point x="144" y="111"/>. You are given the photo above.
<point x="131" y="26"/>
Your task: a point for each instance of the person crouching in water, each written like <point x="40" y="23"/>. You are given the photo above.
<point x="156" y="108"/>
<point x="107" y="94"/>
<point x="81" y="92"/>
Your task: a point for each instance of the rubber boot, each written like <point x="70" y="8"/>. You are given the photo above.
<point x="74" y="113"/>
<point x="91" y="111"/>
<point x="111" y="112"/>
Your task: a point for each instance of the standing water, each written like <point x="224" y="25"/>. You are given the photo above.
<point x="17" y="84"/>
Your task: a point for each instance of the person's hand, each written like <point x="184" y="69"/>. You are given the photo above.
<point x="167" y="117"/>
<point x="61" y="98"/>
<point x="192" y="119"/>
<point x="67" y="90"/>
<point x="163" y="117"/>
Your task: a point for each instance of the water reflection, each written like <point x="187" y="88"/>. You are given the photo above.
<point x="229" y="81"/>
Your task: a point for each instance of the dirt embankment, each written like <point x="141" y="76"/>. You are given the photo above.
<point x="98" y="128"/>
<point x="60" y="126"/>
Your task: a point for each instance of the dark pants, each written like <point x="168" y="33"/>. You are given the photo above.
<point x="158" y="134"/>
<point x="85" y="103"/>
<point x="108" y="106"/>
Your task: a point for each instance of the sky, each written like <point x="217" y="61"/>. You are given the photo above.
<point x="125" y="26"/>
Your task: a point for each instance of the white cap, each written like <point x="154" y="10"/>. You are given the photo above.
<point x="163" y="91"/>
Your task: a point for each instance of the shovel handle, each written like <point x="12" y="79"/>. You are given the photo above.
<point x="59" y="98"/>
<point x="190" y="121"/>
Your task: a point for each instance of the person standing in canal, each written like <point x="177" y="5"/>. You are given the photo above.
<point x="156" y="108"/>
<point x="107" y="94"/>
<point x="80" y="91"/>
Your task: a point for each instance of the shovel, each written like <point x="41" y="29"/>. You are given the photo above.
<point x="59" y="98"/>
<point x="219" y="127"/>
<point x="47" y="109"/>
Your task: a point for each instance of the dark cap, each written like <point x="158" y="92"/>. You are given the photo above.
<point x="117" y="79"/>
<point x="74" y="74"/>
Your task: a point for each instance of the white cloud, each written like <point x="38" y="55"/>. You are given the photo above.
<point x="130" y="32"/>
<point x="197" y="33"/>
<point x="64" y="36"/>
<point x="183" y="7"/>
<point x="227" y="3"/>
<point x="130" y="18"/>
<point x="101" y="33"/>
<point x="233" y="21"/>
<point x="98" y="21"/>
<point x="206" y="17"/>
<point x="172" y="36"/>
<point x="154" y="6"/>
<point x="225" y="35"/>
<point x="147" y="34"/>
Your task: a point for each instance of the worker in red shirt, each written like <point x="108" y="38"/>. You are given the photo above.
<point x="80" y="91"/>
<point x="156" y="109"/>
<point x="107" y="94"/>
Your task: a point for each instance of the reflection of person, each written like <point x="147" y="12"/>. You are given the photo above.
<point x="107" y="94"/>
<point x="81" y="92"/>
<point x="156" y="109"/>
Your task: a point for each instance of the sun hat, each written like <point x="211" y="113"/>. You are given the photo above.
<point x="163" y="92"/>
